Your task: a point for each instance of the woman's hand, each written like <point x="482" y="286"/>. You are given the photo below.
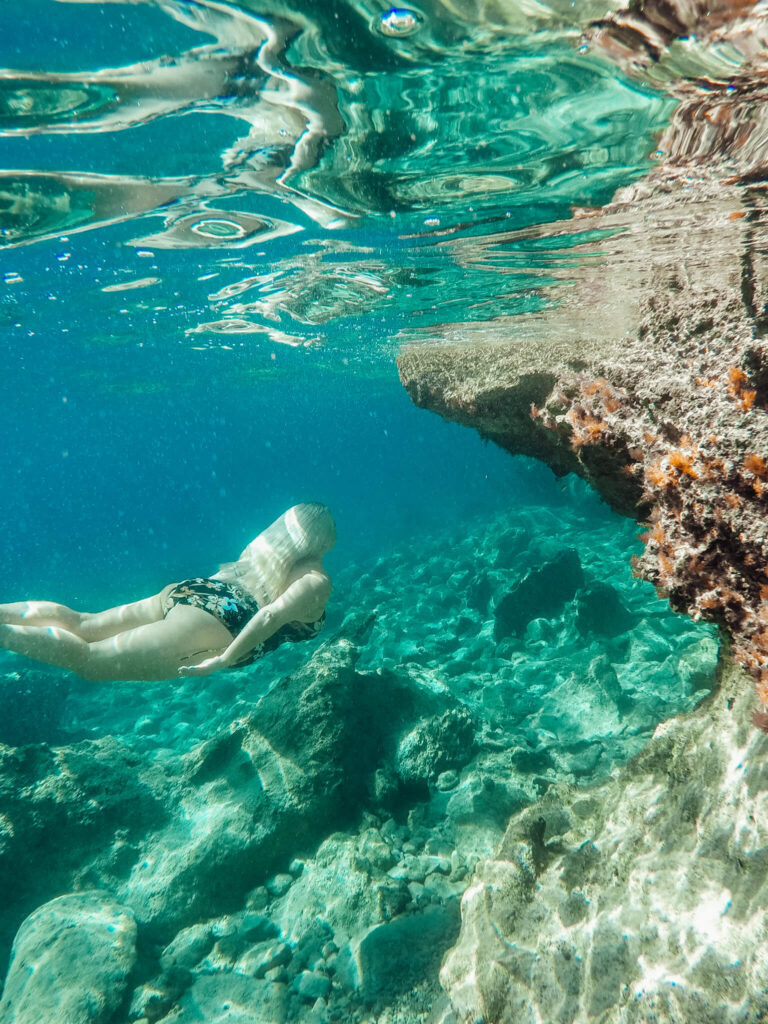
<point x="205" y="668"/>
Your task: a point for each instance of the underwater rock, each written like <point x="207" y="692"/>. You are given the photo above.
<point x="344" y="891"/>
<point x="280" y="884"/>
<point x="153" y="1000"/>
<point x="434" y="745"/>
<point x="635" y="899"/>
<point x="231" y="998"/>
<point x="509" y="545"/>
<point x="541" y="593"/>
<point x="312" y="985"/>
<point x="391" y="956"/>
<point x="71" y="814"/>
<point x="299" y="763"/>
<point x="188" y="947"/>
<point x="70" y="962"/>
<point x="485" y="799"/>
<point x="599" y="611"/>
<point x="265" y="958"/>
<point x="479" y="593"/>
<point x="602" y="676"/>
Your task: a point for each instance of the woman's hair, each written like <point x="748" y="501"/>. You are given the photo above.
<point x="304" y="531"/>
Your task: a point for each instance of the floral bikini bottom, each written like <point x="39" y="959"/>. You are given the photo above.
<point x="230" y="604"/>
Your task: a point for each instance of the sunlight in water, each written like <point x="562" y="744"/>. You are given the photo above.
<point x="472" y="762"/>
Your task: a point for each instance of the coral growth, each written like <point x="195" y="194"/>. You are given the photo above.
<point x="706" y="548"/>
<point x="736" y="388"/>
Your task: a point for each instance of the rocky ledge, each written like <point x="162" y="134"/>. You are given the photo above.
<point x="642" y="898"/>
<point x="648" y="374"/>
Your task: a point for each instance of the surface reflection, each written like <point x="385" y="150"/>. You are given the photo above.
<point x="288" y="119"/>
<point x="433" y="133"/>
<point x="369" y="112"/>
<point x="209" y="228"/>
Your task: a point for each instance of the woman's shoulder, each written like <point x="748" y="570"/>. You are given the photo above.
<point x="307" y="594"/>
<point x="320" y="579"/>
<point x="313" y="575"/>
<point x="319" y="591"/>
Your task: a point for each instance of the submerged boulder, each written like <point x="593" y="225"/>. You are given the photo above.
<point x="394" y="955"/>
<point x="434" y="745"/>
<point x="70" y="813"/>
<point x="70" y="962"/>
<point x="633" y="900"/>
<point x="279" y="778"/>
<point x="231" y="998"/>
<point x="540" y="594"/>
<point x="600" y="611"/>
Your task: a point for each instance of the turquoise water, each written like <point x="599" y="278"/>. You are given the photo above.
<point x="220" y="224"/>
<point x="123" y="321"/>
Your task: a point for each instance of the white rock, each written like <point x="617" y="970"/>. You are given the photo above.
<point x="70" y="962"/>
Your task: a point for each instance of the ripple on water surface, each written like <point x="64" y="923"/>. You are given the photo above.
<point x="342" y="127"/>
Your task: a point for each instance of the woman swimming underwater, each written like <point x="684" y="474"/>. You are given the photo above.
<point x="276" y="592"/>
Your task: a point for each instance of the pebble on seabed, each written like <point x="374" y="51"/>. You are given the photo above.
<point x="279" y="885"/>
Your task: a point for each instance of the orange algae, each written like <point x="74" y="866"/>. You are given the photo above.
<point x="754" y="464"/>
<point x="680" y="460"/>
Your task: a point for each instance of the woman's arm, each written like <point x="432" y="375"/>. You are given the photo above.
<point x="304" y="600"/>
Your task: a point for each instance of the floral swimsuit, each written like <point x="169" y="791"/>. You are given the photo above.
<point x="235" y="608"/>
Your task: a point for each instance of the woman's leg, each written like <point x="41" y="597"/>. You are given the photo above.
<point x="86" y="625"/>
<point x="49" y="644"/>
<point x="149" y="652"/>
<point x="102" y="625"/>
<point x="39" y="613"/>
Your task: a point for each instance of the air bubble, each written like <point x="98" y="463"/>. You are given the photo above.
<point x="217" y="227"/>
<point x="399" y="21"/>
